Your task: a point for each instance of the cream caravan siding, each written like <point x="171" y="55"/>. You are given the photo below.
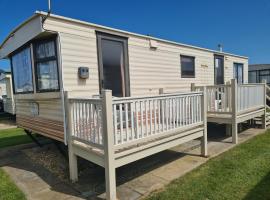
<point x="149" y="69"/>
<point x="78" y="48"/>
<point x="48" y="108"/>
<point x="24" y="34"/>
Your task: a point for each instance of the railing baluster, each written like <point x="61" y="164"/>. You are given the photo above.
<point x="146" y="117"/>
<point x="126" y="118"/>
<point x="137" y="120"/>
<point x="132" y="120"/>
<point x="141" y="113"/>
<point x="121" y="123"/>
<point x="115" y="124"/>
<point x="151" y="119"/>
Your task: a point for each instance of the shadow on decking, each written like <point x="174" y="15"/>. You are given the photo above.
<point x="261" y="190"/>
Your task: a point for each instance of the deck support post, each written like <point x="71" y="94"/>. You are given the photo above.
<point x="234" y="112"/>
<point x="264" y="115"/>
<point x="73" y="164"/>
<point x="204" y="150"/>
<point x="109" y="164"/>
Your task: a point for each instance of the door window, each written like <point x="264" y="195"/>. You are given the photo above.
<point x="219" y="70"/>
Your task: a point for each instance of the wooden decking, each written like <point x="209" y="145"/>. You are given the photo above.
<point x="114" y="132"/>
<point x="232" y="104"/>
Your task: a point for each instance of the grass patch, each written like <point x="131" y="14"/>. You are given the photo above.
<point x="14" y="136"/>
<point x="240" y="173"/>
<point x="8" y="190"/>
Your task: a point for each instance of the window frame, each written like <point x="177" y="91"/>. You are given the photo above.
<point x="118" y="38"/>
<point x="194" y="61"/>
<point x="25" y="46"/>
<point x="237" y="64"/>
<point x="52" y="58"/>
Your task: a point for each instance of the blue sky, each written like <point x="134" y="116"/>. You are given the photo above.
<point x="243" y="27"/>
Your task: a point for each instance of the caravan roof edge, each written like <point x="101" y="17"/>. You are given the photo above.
<point x="42" y="13"/>
<point x="136" y="34"/>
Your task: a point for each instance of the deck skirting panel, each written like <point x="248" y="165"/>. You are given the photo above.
<point x="46" y="127"/>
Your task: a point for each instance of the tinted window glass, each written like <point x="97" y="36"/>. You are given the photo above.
<point x="219" y="70"/>
<point x="187" y="66"/>
<point x="22" y="71"/>
<point x="238" y="72"/>
<point x="113" y="66"/>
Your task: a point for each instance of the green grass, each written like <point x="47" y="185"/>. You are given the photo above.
<point x="14" y="136"/>
<point x="8" y="190"/>
<point x="241" y="173"/>
<point x="11" y="137"/>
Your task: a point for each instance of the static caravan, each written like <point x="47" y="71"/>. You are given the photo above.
<point x="52" y="54"/>
<point x="259" y="72"/>
<point x="113" y="96"/>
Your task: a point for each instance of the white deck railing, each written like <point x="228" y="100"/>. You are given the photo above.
<point x="226" y="99"/>
<point x="250" y="96"/>
<point x="134" y="119"/>
<point x="143" y="117"/>
<point x="86" y="120"/>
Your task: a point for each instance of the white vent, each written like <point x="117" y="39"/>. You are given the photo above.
<point x="153" y="44"/>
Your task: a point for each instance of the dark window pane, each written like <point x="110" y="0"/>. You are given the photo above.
<point x="45" y="50"/>
<point x="252" y="77"/>
<point x="219" y="70"/>
<point x="113" y="66"/>
<point x="238" y="72"/>
<point x="22" y="71"/>
<point x="187" y="66"/>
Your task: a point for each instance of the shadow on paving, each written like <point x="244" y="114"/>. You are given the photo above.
<point x="91" y="177"/>
<point x="261" y="190"/>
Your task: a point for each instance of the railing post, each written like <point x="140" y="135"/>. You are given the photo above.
<point x="228" y="96"/>
<point x="192" y="87"/>
<point x="234" y="111"/>
<point x="264" y="115"/>
<point x="109" y="165"/>
<point x="73" y="164"/>
<point x="204" y="150"/>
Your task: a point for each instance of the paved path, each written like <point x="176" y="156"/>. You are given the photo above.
<point x="135" y="180"/>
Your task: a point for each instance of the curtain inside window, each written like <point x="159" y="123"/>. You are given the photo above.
<point x="47" y="66"/>
<point x="22" y="71"/>
<point x="45" y="50"/>
<point x="47" y="75"/>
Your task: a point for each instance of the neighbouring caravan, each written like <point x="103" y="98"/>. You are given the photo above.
<point x="8" y="99"/>
<point x="50" y="54"/>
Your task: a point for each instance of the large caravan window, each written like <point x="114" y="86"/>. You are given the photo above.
<point x="46" y="66"/>
<point x="187" y="66"/>
<point x="22" y="71"/>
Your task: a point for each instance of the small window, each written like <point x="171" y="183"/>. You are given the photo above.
<point x="46" y="66"/>
<point x="22" y="71"/>
<point x="187" y="67"/>
<point x="238" y="72"/>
